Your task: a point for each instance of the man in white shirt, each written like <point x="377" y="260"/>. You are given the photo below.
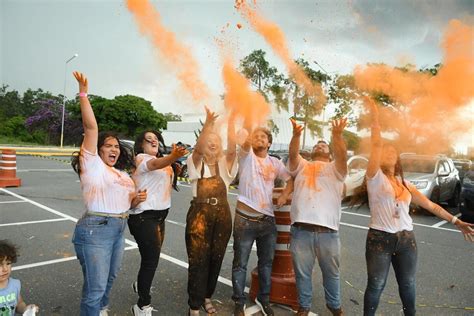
<point x="315" y="215"/>
<point x="254" y="218"/>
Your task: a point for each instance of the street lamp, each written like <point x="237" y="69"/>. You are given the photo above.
<point x="324" y="108"/>
<point x="64" y="98"/>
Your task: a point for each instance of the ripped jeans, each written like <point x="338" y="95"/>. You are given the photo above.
<point x="399" y="250"/>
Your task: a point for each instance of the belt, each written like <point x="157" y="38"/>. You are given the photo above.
<point x="210" y="201"/>
<point x="251" y="218"/>
<point x="314" y="228"/>
<point x="121" y="215"/>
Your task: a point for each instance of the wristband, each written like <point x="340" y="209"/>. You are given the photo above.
<point x="82" y="95"/>
<point x="453" y="220"/>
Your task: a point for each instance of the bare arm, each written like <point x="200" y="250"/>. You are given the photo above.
<point x="91" y="131"/>
<point x="466" y="229"/>
<point x="198" y="151"/>
<point x="248" y="127"/>
<point x="231" y="142"/>
<point x="159" y="163"/>
<point x="376" y="140"/>
<point x="285" y="194"/>
<point x="21" y="307"/>
<point x="294" y="150"/>
<point x="340" y="151"/>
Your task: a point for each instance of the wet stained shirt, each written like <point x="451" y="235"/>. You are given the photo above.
<point x="104" y="189"/>
<point x="388" y="213"/>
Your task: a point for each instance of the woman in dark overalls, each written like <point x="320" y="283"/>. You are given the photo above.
<point x="209" y="222"/>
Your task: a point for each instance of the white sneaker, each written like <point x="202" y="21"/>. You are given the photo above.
<point x="104" y="312"/>
<point x="144" y="311"/>
<point x="135" y="286"/>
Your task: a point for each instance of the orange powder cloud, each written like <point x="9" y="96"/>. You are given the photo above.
<point x="432" y="103"/>
<point x="172" y="51"/>
<point x="276" y="39"/>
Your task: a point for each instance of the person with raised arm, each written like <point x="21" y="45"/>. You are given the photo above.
<point x="316" y="214"/>
<point x="154" y="175"/>
<point x="209" y="221"/>
<point x="391" y="240"/>
<point x="109" y="193"/>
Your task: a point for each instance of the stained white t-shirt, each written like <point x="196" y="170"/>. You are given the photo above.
<point x="104" y="189"/>
<point x="317" y="194"/>
<point x="385" y="214"/>
<point x="256" y="180"/>
<point x="156" y="182"/>
<point x="195" y="173"/>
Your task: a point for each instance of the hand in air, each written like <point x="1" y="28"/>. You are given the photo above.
<point x="338" y="126"/>
<point x="178" y="151"/>
<point x="82" y="81"/>
<point x="297" y="129"/>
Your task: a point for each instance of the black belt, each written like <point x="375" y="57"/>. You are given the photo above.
<point x="258" y="218"/>
<point x="210" y="201"/>
<point x="314" y="228"/>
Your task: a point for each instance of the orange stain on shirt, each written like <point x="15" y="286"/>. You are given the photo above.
<point x="312" y="172"/>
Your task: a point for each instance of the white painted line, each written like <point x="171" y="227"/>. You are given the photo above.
<point x="46" y="170"/>
<point x="176" y="223"/>
<point x="8" y="202"/>
<point x="42" y="263"/>
<point x="39" y="205"/>
<point x="443" y="221"/>
<point x="35" y="222"/>
<point x="354" y="226"/>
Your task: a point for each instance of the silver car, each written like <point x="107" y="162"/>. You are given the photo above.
<point x="434" y="176"/>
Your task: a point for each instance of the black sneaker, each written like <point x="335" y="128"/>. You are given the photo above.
<point x="265" y="308"/>
<point x="239" y="310"/>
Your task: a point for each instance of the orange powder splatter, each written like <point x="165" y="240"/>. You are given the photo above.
<point x="311" y="172"/>
<point x="239" y="26"/>
<point x="174" y="53"/>
<point x="431" y="104"/>
<point x="276" y="39"/>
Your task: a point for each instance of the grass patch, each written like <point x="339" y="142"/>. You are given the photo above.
<point x="8" y="140"/>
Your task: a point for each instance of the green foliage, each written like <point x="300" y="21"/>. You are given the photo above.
<point x="14" y="127"/>
<point x="351" y="139"/>
<point x="171" y="117"/>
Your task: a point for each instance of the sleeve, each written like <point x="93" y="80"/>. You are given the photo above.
<point x="298" y="169"/>
<point x="193" y="172"/>
<point x="283" y="173"/>
<point x="375" y="180"/>
<point x="141" y="163"/>
<point x="91" y="163"/>
<point x="336" y="173"/>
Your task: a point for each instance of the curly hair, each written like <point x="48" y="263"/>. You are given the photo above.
<point x="266" y="131"/>
<point x="125" y="160"/>
<point x="8" y="251"/>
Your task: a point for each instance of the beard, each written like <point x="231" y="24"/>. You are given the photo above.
<point x="315" y="155"/>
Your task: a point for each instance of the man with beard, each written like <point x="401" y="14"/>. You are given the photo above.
<point x="315" y="215"/>
<point x="254" y="218"/>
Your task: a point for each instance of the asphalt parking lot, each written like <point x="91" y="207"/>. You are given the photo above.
<point x="40" y="216"/>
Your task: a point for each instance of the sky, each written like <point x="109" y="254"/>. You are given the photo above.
<point x="38" y="36"/>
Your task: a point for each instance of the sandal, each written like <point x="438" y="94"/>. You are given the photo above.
<point x="208" y="307"/>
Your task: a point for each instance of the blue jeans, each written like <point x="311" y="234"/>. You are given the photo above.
<point x="305" y="246"/>
<point x="245" y="233"/>
<point x="383" y="249"/>
<point x="99" y="245"/>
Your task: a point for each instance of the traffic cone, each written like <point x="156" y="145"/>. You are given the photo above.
<point x="8" y="169"/>
<point x="283" y="290"/>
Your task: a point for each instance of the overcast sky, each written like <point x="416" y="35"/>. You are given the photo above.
<point x="38" y="36"/>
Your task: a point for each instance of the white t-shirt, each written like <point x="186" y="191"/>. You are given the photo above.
<point x="317" y="194"/>
<point x="104" y="189"/>
<point x="195" y="173"/>
<point x="385" y="215"/>
<point x="156" y="182"/>
<point x="256" y="180"/>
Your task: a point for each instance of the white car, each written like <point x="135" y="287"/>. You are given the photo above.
<point x="356" y="168"/>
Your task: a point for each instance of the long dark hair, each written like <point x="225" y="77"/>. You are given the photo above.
<point x="124" y="162"/>
<point x="361" y="196"/>
<point x="138" y="148"/>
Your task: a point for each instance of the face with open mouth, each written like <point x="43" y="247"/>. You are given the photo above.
<point x="150" y="144"/>
<point x="213" y="147"/>
<point x="109" y="152"/>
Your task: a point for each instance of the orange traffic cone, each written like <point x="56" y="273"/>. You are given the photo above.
<point x="283" y="289"/>
<point x="8" y="169"/>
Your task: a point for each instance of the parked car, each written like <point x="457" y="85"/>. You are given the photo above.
<point x="434" y="176"/>
<point x="463" y="166"/>
<point x="356" y="168"/>
<point x="466" y="204"/>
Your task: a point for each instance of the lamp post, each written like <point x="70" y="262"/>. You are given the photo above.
<point x="324" y="108"/>
<point x="64" y="98"/>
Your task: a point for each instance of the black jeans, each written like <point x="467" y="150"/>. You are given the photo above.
<point x="148" y="229"/>
<point x="399" y="250"/>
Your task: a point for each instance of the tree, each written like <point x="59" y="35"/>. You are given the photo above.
<point x="171" y="117"/>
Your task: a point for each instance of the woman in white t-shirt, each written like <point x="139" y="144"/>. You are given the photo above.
<point x="108" y="193"/>
<point x="208" y="222"/>
<point x="390" y="240"/>
<point x="154" y="175"/>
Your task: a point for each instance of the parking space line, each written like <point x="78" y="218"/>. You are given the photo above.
<point x="443" y="221"/>
<point x="8" y="202"/>
<point x="35" y="222"/>
<point x="45" y="170"/>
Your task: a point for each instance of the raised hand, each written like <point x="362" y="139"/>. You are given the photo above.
<point x="211" y="117"/>
<point x="373" y="109"/>
<point x="178" y="151"/>
<point x="82" y="81"/>
<point x="338" y="126"/>
<point x="297" y="129"/>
